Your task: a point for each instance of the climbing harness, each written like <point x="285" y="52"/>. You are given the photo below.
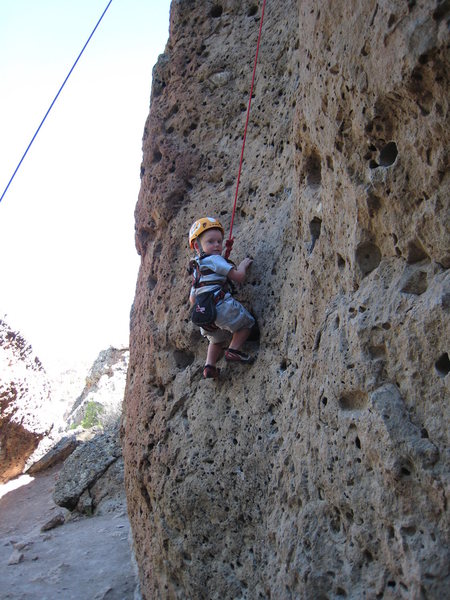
<point x="54" y="100"/>
<point x="196" y="270"/>
<point x="229" y="242"/>
<point x="204" y="311"/>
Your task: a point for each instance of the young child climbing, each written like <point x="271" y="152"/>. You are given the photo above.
<point x="214" y="274"/>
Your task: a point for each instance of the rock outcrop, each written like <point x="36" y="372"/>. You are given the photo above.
<point x="91" y="479"/>
<point x="322" y="470"/>
<point x="56" y="455"/>
<point x="25" y="402"/>
<point x="100" y="402"/>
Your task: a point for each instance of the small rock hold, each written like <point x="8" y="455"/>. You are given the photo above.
<point x="102" y="595"/>
<point x="427" y="452"/>
<point x="220" y="79"/>
<point x="15" y="558"/>
<point x="55" y="521"/>
<point x="21" y="545"/>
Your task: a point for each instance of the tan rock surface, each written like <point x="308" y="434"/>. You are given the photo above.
<point x="322" y="470"/>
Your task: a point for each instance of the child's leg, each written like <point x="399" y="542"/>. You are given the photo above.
<point x="239" y="338"/>
<point x="215" y="352"/>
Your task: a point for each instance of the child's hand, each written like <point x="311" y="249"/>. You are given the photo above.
<point x="237" y="274"/>
<point x="245" y="263"/>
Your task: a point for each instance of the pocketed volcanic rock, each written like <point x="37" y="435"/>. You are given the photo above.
<point x="322" y="470"/>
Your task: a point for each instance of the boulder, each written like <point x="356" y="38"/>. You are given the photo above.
<point x="90" y="476"/>
<point x="57" y="454"/>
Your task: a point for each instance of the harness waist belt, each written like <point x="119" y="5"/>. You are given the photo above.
<point x="208" y="283"/>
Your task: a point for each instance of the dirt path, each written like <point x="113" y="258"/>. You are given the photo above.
<point x="84" y="559"/>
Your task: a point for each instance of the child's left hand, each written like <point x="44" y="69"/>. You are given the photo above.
<point x="237" y="274"/>
<point x="245" y="263"/>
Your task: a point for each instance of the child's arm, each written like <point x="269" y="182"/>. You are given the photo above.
<point x="238" y="273"/>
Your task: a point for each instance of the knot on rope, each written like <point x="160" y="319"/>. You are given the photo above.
<point x="229" y="247"/>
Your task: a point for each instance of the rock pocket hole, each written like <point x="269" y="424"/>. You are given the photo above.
<point x="314" y="227"/>
<point x="216" y="11"/>
<point x="252" y="10"/>
<point x="392" y="20"/>
<point x="442" y="365"/>
<point x="377" y="352"/>
<point x="416" y="283"/>
<point x="353" y="401"/>
<point x="404" y="469"/>
<point x="313" y="170"/>
<point x="340" y="261"/>
<point x="408" y="530"/>
<point x="415" y="252"/>
<point x="441" y="11"/>
<point x="183" y="359"/>
<point x="388" y="154"/>
<point x="373" y="204"/>
<point x="368" y="257"/>
<point x="157" y="156"/>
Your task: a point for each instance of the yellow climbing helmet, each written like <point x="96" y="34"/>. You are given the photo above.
<point x="202" y="225"/>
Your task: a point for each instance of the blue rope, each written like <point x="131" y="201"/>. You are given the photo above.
<point x="54" y="100"/>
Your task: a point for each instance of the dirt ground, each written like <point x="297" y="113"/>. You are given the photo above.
<point x="84" y="559"/>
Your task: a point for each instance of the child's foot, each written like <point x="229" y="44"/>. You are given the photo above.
<point x="210" y="372"/>
<point x="232" y="355"/>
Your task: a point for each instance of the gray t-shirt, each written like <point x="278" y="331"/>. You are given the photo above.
<point x="220" y="268"/>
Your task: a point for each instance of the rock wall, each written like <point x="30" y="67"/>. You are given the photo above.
<point x="25" y="403"/>
<point x="322" y="470"/>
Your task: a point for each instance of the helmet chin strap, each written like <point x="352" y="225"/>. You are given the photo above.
<point x="201" y="252"/>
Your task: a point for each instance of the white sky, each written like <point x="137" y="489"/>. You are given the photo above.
<point x="68" y="264"/>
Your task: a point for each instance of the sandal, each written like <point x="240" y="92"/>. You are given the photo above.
<point x="210" y="372"/>
<point x="232" y="355"/>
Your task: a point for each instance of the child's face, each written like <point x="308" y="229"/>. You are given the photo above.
<point x="211" y="241"/>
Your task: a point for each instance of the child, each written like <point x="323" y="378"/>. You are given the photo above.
<point x="206" y="238"/>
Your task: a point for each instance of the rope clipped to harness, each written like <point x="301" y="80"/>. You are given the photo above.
<point x="229" y="246"/>
<point x="229" y="242"/>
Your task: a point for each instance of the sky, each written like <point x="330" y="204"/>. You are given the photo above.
<point x="68" y="263"/>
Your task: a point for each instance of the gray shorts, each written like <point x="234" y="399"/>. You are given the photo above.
<point x="231" y="316"/>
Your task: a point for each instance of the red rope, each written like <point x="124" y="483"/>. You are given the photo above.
<point x="230" y="240"/>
